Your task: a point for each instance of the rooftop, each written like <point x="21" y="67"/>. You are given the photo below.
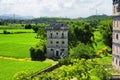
<point x="57" y="26"/>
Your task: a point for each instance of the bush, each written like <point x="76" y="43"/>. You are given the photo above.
<point x="82" y="51"/>
<point x="21" y="76"/>
<point x="6" y="32"/>
<point x="38" y="52"/>
<point x="28" y="26"/>
<point x="65" y="61"/>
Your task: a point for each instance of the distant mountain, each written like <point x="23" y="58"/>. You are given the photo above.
<point x="13" y="16"/>
<point x="99" y="17"/>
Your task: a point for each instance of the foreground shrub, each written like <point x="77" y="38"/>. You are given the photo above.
<point x="65" y="61"/>
<point x="21" y="76"/>
<point x="80" y="70"/>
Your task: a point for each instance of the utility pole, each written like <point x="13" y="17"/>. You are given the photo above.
<point x="96" y="12"/>
<point x="14" y="18"/>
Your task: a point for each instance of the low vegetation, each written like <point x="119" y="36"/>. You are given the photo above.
<point x="89" y="49"/>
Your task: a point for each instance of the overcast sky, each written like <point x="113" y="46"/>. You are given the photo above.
<point x="56" y="8"/>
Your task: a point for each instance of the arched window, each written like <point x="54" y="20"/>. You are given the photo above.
<point x="62" y="35"/>
<point x="117" y="36"/>
<point x="50" y="35"/>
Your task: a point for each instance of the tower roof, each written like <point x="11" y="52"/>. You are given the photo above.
<point x="57" y="26"/>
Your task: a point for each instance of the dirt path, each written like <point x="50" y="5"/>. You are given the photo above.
<point x="26" y="59"/>
<point x="18" y="59"/>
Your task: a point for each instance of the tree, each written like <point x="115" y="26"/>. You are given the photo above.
<point x="38" y="52"/>
<point x="105" y="27"/>
<point x="28" y="26"/>
<point x="35" y="28"/>
<point x="82" y="51"/>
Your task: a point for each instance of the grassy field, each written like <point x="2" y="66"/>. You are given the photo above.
<point x="17" y="30"/>
<point x="17" y="45"/>
<point x="12" y="26"/>
<point x="9" y="67"/>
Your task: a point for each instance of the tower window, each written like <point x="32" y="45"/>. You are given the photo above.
<point x="63" y="42"/>
<point x="51" y="49"/>
<point x="116" y="61"/>
<point x="62" y="25"/>
<point x="57" y="42"/>
<point x="51" y="35"/>
<point x="62" y="35"/>
<point x="117" y="36"/>
<point x="119" y="63"/>
<point x="51" y="42"/>
<point x="62" y="49"/>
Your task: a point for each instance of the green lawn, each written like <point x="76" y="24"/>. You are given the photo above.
<point x="9" y="67"/>
<point x="17" y="45"/>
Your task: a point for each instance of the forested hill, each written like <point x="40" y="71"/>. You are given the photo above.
<point x="100" y="17"/>
<point x="52" y="19"/>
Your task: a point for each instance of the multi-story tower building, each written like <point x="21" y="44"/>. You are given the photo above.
<point x="116" y="35"/>
<point x="57" y="40"/>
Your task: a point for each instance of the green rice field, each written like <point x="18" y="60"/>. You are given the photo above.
<point x="17" y="45"/>
<point x="8" y="68"/>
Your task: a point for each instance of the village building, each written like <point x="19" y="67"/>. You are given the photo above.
<point x="116" y="35"/>
<point x="57" y="40"/>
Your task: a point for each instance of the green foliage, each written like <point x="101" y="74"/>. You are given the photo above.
<point x="79" y="70"/>
<point x="28" y="26"/>
<point x="2" y="22"/>
<point x="41" y="33"/>
<point x="82" y="51"/>
<point x="105" y="28"/>
<point x="35" y="28"/>
<point x="65" y="61"/>
<point x="21" y="76"/>
<point x="38" y="52"/>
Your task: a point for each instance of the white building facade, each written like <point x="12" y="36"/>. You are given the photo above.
<point x="116" y="35"/>
<point x="57" y="40"/>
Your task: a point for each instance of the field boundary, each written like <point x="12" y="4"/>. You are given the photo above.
<point x="44" y="70"/>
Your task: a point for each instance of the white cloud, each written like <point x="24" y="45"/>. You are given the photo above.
<point x="63" y="8"/>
